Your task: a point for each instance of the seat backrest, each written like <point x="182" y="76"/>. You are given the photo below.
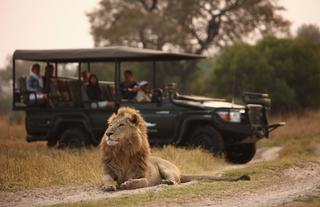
<point x="107" y="92"/>
<point x="84" y="94"/>
<point x="75" y="92"/>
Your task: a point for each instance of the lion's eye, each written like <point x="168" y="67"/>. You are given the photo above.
<point x="120" y="125"/>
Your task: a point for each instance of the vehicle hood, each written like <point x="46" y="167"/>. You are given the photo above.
<point x="221" y="104"/>
<point x="208" y="104"/>
<point x="204" y="102"/>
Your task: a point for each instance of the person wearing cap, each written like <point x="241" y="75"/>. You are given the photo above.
<point x="129" y="86"/>
<point x="144" y="93"/>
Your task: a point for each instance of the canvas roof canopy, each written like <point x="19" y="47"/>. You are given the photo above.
<point x="106" y="54"/>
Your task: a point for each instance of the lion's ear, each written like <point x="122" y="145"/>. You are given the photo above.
<point x="111" y="118"/>
<point x="134" y="119"/>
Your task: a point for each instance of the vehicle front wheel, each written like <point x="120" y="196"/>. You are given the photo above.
<point x="206" y="137"/>
<point x="241" y="154"/>
<point x="73" y="138"/>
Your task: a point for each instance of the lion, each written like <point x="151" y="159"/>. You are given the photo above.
<point x="126" y="157"/>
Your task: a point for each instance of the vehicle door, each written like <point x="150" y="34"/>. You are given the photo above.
<point x="162" y="121"/>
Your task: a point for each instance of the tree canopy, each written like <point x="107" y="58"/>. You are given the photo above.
<point x="288" y="69"/>
<point x="309" y="32"/>
<point x="193" y="26"/>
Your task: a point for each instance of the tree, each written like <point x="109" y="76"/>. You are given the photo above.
<point x="309" y="32"/>
<point x="287" y="69"/>
<point x="194" y="26"/>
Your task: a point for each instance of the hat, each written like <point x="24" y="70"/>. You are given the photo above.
<point x="143" y="83"/>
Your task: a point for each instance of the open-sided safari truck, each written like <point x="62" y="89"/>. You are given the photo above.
<point x="171" y="118"/>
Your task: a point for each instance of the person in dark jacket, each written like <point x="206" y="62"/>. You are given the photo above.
<point x="95" y="94"/>
<point x="129" y="86"/>
<point x="47" y="78"/>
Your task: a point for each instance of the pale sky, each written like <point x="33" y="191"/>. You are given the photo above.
<point x="47" y="24"/>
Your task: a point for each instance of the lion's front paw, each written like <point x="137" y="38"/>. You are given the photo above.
<point x="168" y="182"/>
<point x="108" y="188"/>
<point x="125" y="185"/>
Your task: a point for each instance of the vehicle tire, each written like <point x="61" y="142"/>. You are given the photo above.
<point x="240" y="154"/>
<point x="52" y="142"/>
<point x="73" y="138"/>
<point x="208" y="138"/>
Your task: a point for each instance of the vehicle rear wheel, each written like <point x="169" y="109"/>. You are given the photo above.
<point x="241" y="154"/>
<point x="206" y="137"/>
<point x="73" y="138"/>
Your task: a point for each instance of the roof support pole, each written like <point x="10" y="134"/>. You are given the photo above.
<point x="13" y="83"/>
<point x="89" y="68"/>
<point x="117" y="81"/>
<point x="154" y="74"/>
<point x="56" y="69"/>
<point x="79" y="71"/>
<point x="80" y="83"/>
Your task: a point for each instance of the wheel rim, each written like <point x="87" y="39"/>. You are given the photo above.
<point x="203" y="140"/>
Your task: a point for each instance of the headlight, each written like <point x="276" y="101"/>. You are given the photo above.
<point x="231" y="115"/>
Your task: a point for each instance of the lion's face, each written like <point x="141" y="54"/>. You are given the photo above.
<point x="122" y="130"/>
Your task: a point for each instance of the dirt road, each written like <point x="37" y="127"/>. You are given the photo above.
<point x="299" y="181"/>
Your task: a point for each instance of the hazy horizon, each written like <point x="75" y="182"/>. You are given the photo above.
<point x="48" y="24"/>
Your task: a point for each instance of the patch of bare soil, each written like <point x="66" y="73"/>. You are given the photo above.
<point x="44" y="197"/>
<point x="297" y="182"/>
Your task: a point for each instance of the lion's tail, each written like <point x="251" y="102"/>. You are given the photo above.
<point x="188" y="178"/>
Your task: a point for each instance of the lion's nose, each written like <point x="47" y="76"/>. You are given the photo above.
<point x="109" y="134"/>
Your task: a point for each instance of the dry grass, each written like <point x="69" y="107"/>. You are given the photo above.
<point x="11" y="131"/>
<point x="300" y="136"/>
<point x="25" y="165"/>
<point x="32" y="165"/>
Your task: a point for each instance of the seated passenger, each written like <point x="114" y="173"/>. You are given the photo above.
<point x="171" y="87"/>
<point x="85" y="76"/>
<point x="144" y="93"/>
<point x="95" y="94"/>
<point x="34" y="83"/>
<point x="129" y="86"/>
<point x="47" y="78"/>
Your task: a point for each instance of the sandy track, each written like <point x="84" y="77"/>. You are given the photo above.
<point x="301" y="181"/>
<point x="296" y="182"/>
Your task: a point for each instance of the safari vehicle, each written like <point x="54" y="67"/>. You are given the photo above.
<point x="215" y="124"/>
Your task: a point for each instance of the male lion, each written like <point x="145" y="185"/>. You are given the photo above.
<point x="126" y="159"/>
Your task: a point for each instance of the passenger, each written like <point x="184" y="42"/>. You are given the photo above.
<point x="129" y="86"/>
<point x="95" y="94"/>
<point x="144" y="93"/>
<point x="47" y="78"/>
<point x="34" y="83"/>
<point x="85" y="76"/>
<point x="168" y="89"/>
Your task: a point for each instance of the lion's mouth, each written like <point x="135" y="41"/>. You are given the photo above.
<point x="111" y="141"/>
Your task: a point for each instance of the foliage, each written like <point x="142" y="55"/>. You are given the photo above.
<point x="288" y="69"/>
<point x="309" y="32"/>
<point x="195" y="26"/>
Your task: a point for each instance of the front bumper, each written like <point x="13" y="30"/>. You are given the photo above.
<point x="253" y="127"/>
